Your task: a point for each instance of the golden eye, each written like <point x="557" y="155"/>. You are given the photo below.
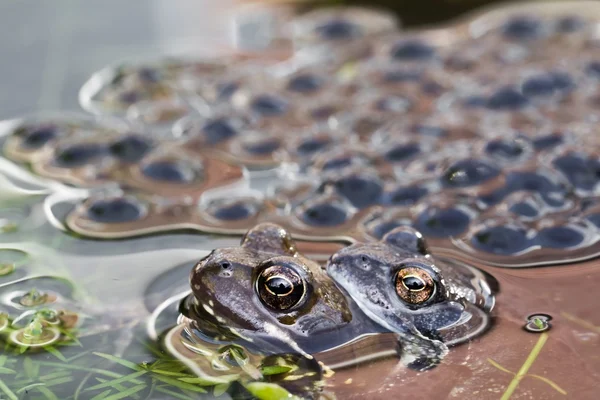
<point x="414" y="285"/>
<point x="280" y="288"/>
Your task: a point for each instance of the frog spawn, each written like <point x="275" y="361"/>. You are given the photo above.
<point x="477" y="147"/>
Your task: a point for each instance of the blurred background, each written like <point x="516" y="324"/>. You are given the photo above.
<point x="49" y="48"/>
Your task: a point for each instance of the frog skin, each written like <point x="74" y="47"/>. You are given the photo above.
<point x="429" y="303"/>
<point x="274" y="299"/>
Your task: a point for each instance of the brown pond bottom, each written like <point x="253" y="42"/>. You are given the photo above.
<point x="507" y="362"/>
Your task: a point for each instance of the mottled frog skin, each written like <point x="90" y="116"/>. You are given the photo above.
<point x="275" y="300"/>
<point x="267" y="293"/>
<point x="429" y="303"/>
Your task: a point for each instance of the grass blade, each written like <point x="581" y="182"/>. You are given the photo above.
<point x="7" y="371"/>
<point x="500" y="367"/>
<point x="29" y="387"/>
<point x="179" y="384"/>
<point x="120" y="361"/>
<point x="126" y="378"/>
<point x="102" y="396"/>
<point x="173" y="394"/>
<point x="549" y="382"/>
<point x="46" y="392"/>
<point x="126" y="393"/>
<point x="9" y="393"/>
<point x="99" y="371"/>
<point x="56" y="353"/>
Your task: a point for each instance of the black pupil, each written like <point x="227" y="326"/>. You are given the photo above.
<point x="413" y="283"/>
<point x="279" y="286"/>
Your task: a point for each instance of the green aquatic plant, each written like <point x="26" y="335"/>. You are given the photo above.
<point x="6" y="268"/>
<point x="523" y="371"/>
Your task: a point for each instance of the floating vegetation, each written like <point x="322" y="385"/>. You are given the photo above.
<point x="523" y="371"/>
<point x="35" y="298"/>
<point x="6" y="268"/>
<point x="538" y="323"/>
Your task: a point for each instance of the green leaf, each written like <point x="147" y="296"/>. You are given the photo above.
<point x="59" y="381"/>
<point x="179" y="384"/>
<point x="31" y="370"/>
<point x="56" y="374"/>
<point x="29" y="387"/>
<point x="126" y="393"/>
<point x="220" y="389"/>
<point x="210" y="381"/>
<point x="99" y="371"/>
<point x="102" y="396"/>
<point x="46" y="392"/>
<point x="126" y="378"/>
<point x="277" y="369"/>
<point x="7" y="371"/>
<point x="169" y="373"/>
<point x="118" y="360"/>
<point x="173" y="394"/>
<point x="269" y="391"/>
<point x="9" y="393"/>
<point x="55" y="352"/>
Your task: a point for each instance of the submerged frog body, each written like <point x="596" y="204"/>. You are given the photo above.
<point x="265" y="293"/>
<point x="430" y="303"/>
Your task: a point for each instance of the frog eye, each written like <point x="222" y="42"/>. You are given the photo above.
<point x="280" y="287"/>
<point x="414" y="285"/>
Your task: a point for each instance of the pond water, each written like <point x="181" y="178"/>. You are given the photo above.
<point x="395" y="214"/>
